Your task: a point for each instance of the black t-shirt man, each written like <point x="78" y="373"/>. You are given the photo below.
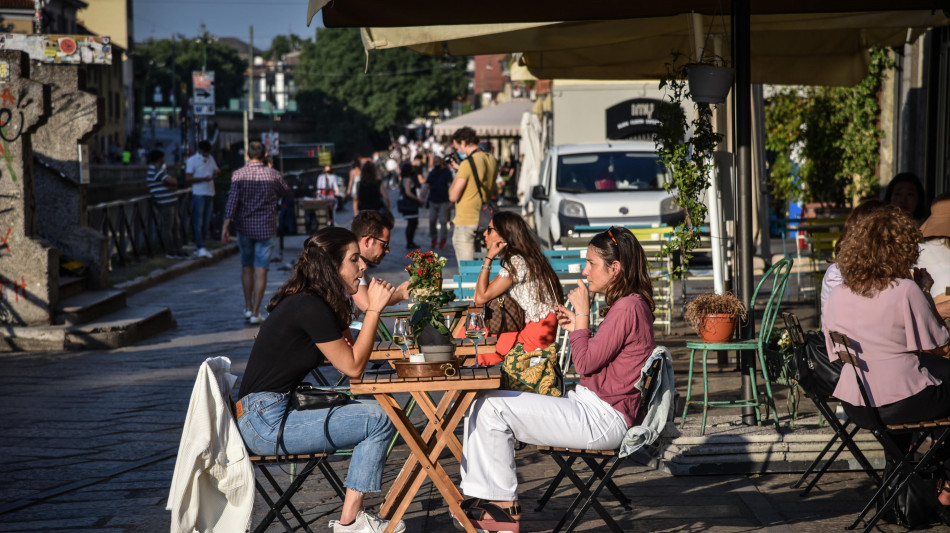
<point x="285" y="349"/>
<point x="439" y="180"/>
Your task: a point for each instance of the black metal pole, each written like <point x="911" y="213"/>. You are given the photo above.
<point x="741" y="21"/>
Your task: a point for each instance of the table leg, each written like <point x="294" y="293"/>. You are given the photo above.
<point x="410" y="469"/>
<point x="444" y="409"/>
<point x="427" y="457"/>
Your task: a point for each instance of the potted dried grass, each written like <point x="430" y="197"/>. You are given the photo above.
<point x="714" y="316"/>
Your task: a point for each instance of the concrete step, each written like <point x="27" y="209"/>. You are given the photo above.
<point x="117" y="329"/>
<point x="70" y="286"/>
<point x="728" y="447"/>
<point x="88" y="306"/>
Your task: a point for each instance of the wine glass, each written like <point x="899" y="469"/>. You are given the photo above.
<point x="475" y="329"/>
<point x="401" y="335"/>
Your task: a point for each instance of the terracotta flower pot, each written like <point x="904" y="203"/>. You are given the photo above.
<point x="717" y="327"/>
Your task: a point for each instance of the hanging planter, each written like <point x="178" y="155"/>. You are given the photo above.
<point x="708" y="83"/>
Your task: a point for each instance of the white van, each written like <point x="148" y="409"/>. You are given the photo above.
<point x="604" y="184"/>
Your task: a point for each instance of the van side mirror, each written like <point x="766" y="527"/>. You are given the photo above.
<point x="537" y="193"/>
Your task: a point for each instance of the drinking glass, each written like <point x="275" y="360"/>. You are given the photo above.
<point x="402" y="335"/>
<point x="475" y="329"/>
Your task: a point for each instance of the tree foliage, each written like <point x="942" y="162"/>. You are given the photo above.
<point x="189" y="54"/>
<point x="831" y="134"/>
<point x="282" y="45"/>
<point x="398" y="86"/>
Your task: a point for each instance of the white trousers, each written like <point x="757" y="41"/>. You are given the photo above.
<point x="497" y="418"/>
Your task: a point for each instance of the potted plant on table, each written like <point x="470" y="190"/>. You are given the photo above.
<point x="714" y="316"/>
<point x="429" y="330"/>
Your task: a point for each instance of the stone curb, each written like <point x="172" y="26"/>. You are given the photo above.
<point x="164" y="274"/>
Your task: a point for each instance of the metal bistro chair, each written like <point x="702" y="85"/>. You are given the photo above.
<point x="775" y="279"/>
<point x="283" y="495"/>
<point x="841" y="431"/>
<point x="905" y="462"/>
<point x="603" y="463"/>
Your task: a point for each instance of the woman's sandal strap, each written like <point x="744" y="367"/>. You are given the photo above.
<point x="497" y="513"/>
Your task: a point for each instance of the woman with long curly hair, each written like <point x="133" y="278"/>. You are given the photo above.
<point x="527" y="276"/>
<point x="309" y="325"/>
<point x="595" y="415"/>
<point x="832" y="277"/>
<point x="892" y="322"/>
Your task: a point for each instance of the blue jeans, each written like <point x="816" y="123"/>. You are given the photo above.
<point x="361" y="425"/>
<point x="256" y="253"/>
<point x="201" y="207"/>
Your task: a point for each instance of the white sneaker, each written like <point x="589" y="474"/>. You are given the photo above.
<point x="255" y="319"/>
<point x="366" y="523"/>
<point x="203" y="252"/>
<point x="248" y="313"/>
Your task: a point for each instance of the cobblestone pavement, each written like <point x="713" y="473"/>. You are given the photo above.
<point x="89" y="439"/>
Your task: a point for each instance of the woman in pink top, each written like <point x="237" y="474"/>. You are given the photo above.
<point x="595" y="415"/>
<point x="891" y="322"/>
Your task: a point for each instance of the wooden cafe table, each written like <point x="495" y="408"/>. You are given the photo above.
<point x="459" y="392"/>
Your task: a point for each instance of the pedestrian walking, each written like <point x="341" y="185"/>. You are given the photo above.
<point x="255" y="192"/>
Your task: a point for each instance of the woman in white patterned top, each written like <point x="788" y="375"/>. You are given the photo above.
<point x="529" y="279"/>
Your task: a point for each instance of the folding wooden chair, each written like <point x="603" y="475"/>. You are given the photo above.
<point x="905" y="462"/>
<point x="841" y="431"/>
<point x="602" y="464"/>
<point x="282" y="496"/>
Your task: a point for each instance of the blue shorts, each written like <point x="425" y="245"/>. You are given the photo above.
<point x="256" y="253"/>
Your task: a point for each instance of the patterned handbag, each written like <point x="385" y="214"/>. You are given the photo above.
<point x="535" y="371"/>
<point x="503" y="315"/>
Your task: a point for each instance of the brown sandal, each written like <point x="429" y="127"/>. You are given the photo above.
<point x="490" y="518"/>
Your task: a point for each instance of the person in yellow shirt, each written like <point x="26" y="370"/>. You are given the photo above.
<point x="469" y="189"/>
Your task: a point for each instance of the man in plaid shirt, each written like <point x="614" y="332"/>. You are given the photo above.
<point x="252" y="206"/>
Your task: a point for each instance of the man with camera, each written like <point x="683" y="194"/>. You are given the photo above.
<point x="473" y="183"/>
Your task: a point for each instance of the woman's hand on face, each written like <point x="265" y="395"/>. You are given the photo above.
<point x="923" y="279"/>
<point x="580" y="298"/>
<point x="495" y="248"/>
<point x="379" y="293"/>
<point x="565" y="318"/>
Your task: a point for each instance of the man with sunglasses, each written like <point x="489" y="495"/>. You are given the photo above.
<point x="374" y="230"/>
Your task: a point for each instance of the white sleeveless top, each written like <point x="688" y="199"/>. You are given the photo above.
<point x="536" y="303"/>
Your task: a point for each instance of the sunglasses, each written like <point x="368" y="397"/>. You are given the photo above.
<point x="385" y="243"/>
<point x="490" y="229"/>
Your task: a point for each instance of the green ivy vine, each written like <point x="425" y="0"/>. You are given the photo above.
<point x="834" y="135"/>
<point x="689" y="160"/>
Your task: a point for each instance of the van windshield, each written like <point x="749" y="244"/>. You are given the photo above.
<point x="610" y="171"/>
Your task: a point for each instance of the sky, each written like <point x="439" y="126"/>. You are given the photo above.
<point x="160" y="19"/>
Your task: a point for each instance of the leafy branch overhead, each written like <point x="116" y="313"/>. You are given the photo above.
<point x="689" y="160"/>
<point x="826" y="140"/>
<point x="398" y="85"/>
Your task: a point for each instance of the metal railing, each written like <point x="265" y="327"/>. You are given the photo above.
<point x="132" y="227"/>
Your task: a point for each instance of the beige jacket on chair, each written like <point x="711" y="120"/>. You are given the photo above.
<point x="213" y="485"/>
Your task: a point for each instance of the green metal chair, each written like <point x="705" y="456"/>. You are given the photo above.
<point x="775" y="280"/>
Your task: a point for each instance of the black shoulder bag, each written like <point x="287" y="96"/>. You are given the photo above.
<point x="303" y="397"/>
<point x="809" y="364"/>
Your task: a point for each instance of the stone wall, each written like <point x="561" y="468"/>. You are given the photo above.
<point x="29" y="268"/>
<point x="60" y="197"/>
